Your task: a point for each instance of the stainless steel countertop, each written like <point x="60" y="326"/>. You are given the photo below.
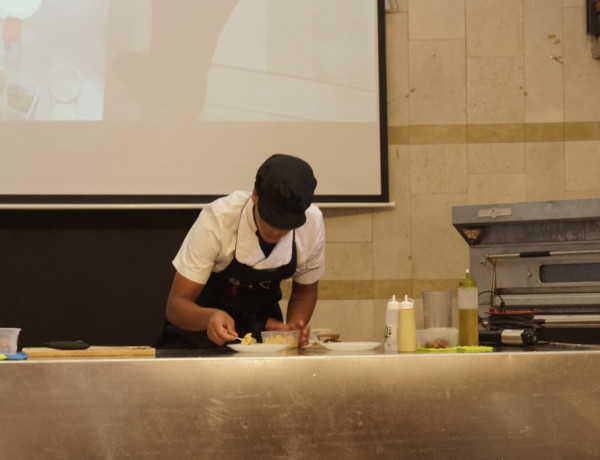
<point x="503" y="405"/>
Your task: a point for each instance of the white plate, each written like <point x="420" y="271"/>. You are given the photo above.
<point x="350" y="346"/>
<point x="258" y="347"/>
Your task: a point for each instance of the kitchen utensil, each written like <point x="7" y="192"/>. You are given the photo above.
<point x="67" y="345"/>
<point x="93" y="351"/>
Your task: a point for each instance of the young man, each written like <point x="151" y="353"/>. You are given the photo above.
<point x="229" y="268"/>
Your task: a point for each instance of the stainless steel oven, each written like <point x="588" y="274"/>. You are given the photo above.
<point x="540" y="259"/>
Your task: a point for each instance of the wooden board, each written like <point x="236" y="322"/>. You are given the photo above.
<point x="93" y="351"/>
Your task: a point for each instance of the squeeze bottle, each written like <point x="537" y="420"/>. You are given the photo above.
<point x="468" y="316"/>
<point x="391" y="326"/>
<point x="407" y="328"/>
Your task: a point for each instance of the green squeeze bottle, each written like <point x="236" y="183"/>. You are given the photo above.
<point x="468" y="317"/>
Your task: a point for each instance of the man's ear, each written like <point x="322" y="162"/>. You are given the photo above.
<point x="254" y="196"/>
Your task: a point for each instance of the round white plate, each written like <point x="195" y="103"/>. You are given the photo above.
<point x="350" y="346"/>
<point x="258" y="347"/>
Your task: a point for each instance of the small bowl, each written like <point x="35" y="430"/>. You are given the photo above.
<point x="290" y="337"/>
<point x="437" y="337"/>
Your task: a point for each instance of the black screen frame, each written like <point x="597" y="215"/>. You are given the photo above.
<point x="149" y="201"/>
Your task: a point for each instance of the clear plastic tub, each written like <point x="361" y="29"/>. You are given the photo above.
<point x="9" y="337"/>
<point x="437" y="337"/>
<point x="290" y="337"/>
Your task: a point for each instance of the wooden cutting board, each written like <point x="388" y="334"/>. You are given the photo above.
<point x="93" y="351"/>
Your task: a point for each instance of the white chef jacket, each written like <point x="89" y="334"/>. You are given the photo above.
<point x="211" y="242"/>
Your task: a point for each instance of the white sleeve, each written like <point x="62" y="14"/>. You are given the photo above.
<point x="310" y="245"/>
<point x="200" y="248"/>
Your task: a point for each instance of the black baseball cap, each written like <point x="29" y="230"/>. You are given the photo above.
<point x="285" y="186"/>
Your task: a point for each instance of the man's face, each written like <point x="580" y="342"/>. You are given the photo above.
<point x="268" y="233"/>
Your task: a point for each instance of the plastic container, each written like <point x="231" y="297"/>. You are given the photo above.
<point x="391" y="326"/>
<point x="437" y="337"/>
<point x="468" y="316"/>
<point x="292" y="338"/>
<point x="407" y="329"/>
<point x="437" y="309"/>
<point x="9" y="337"/>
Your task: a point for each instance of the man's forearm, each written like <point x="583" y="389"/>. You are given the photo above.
<point x="187" y="315"/>
<point x="303" y="300"/>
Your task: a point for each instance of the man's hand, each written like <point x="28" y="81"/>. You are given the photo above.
<point x="221" y="328"/>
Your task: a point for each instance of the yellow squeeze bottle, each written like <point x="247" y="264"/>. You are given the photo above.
<point x="407" y="328"/>
<point x="468" y="316"/>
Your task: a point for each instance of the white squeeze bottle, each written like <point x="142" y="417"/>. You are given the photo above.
<point x="407" y="327"/>
<point x="391" y="326"/>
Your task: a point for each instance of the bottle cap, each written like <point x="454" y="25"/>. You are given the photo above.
<point x="407" y="303"/>
<point x="393" y="303"/>
<point x="467" y="281"/>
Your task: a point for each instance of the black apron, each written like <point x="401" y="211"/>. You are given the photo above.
<point x="248" y="295"/>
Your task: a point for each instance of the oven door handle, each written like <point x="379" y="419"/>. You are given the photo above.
<point x="540" y="254"/>
<point x="535" y="254"/>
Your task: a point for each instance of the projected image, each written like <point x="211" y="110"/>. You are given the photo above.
<point x="242" y="60"/>
<point x="52" y="59"/>
<point x="159" y="98"/>
<point x="159" y="54"/>
<point x="255" y="75"/>
<point x="226" y="60"/>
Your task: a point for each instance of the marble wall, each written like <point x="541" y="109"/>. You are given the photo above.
<point x="488" y="101"/>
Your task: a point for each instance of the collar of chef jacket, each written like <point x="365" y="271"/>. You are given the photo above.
<point x="248" y="249"/>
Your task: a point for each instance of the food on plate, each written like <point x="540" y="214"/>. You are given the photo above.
<point x="248" y="339"/>
<point x="328" y="337"/>
<point x="320" y="336"/>
<point x="437" y="343"/>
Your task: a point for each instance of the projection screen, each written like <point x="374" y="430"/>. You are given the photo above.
<point x="177" y="102"/>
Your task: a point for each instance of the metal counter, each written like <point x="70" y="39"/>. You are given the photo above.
<point x="318" y="406"/>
